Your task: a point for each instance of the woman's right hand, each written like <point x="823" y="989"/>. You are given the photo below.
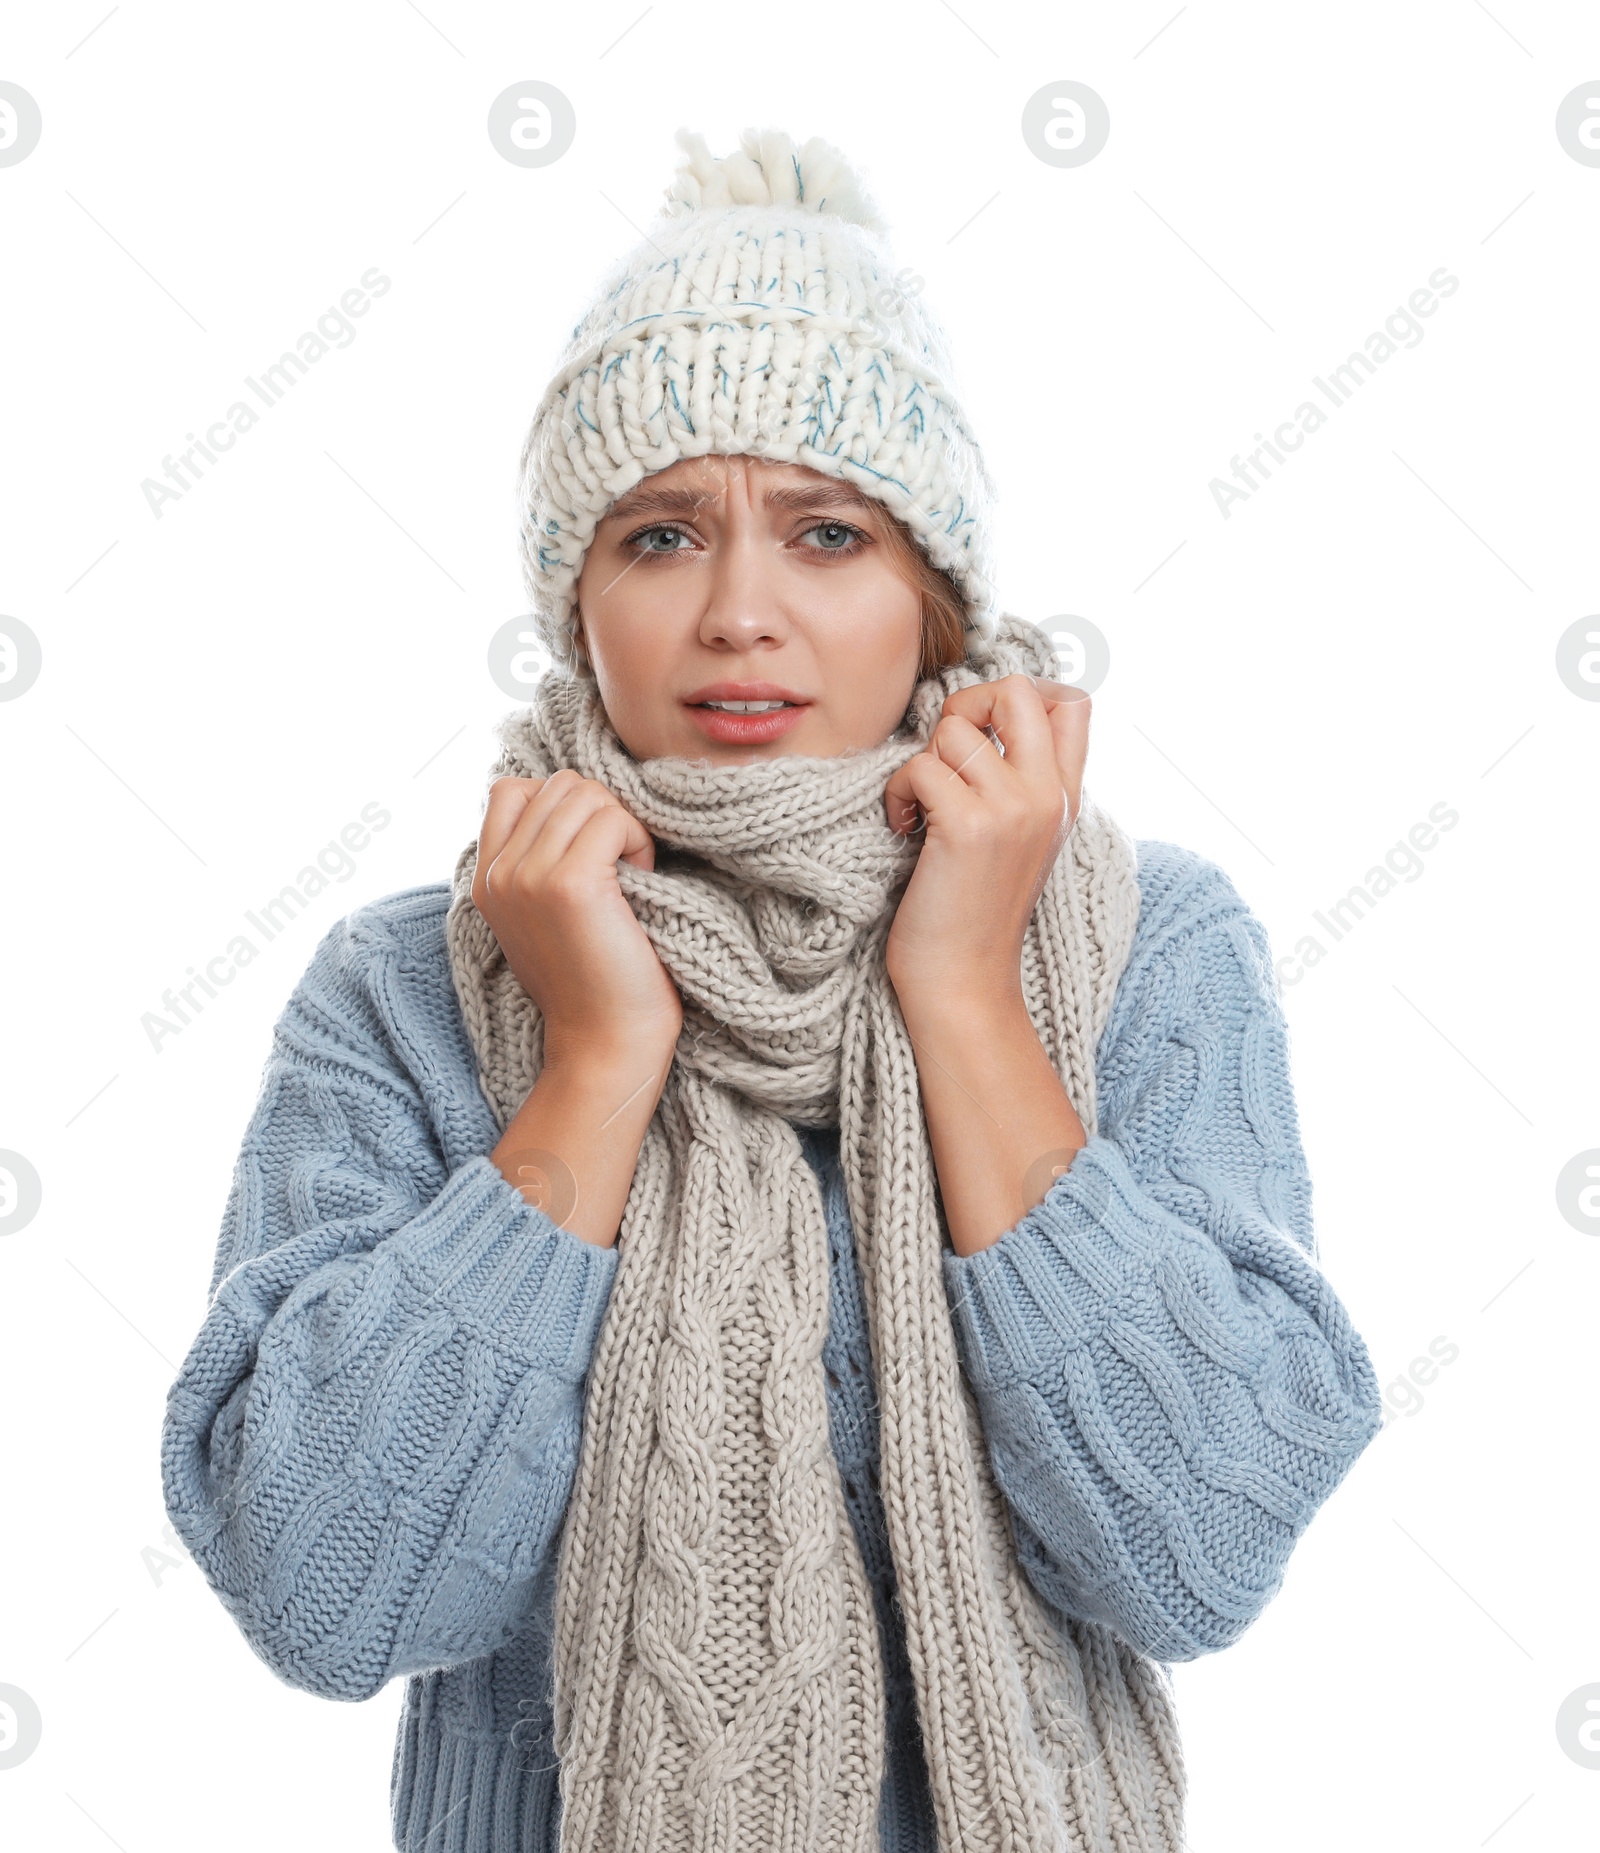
<point x="546" y="882"/>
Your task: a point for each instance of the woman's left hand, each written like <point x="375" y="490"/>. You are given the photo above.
<point x="995" y="826"/>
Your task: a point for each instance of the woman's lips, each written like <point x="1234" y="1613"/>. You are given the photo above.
<point x="745" y="729"/>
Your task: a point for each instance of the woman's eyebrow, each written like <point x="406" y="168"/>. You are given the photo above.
<point x="818" y="495"/>
<point x="669" y="501"/>
<point x="647" y="501"/>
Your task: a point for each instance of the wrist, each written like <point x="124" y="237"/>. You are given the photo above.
<point x="572" y="1145"/>
<point x="963" y="1005"/>
<point x="604" y="1083"/>
<point x="599" y="1049"/>
<point x="625" y="1082"/>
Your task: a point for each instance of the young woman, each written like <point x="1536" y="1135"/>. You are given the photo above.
<point x="784" y="1297"/>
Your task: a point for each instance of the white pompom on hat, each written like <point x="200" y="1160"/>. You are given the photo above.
<point x="760" y="316"/>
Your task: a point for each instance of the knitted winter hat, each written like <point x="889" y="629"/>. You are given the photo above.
<point x="760" y="316"/>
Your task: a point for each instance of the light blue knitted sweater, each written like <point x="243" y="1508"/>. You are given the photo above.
<point x="372" y="1441"/>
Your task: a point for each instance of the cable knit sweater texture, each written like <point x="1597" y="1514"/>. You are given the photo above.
<point x="371" y="1444"/>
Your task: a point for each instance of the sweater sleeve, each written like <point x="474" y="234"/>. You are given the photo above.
<point x="1169" y="1386"/>
<point x="373" y="1437"/>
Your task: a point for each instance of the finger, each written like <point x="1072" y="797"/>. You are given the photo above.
<point x="634" y="844"/>
<point x="518" y="821"/>
<point x="900" y="802"/>
<point x="969" y="753"/>
<point x="609" y="835"/>
<point x="516" y="811"/>
<point x="556" y="824"/>
<point x="956" y="751"/>
<point x="1051" y="693"/>
<point x="1014" y="707"/>
<point x="906" y="817"/>
<point x="554" y="820"/>
<point x="926" y="788"/>
<point x="1068" y="716"/>
<point x="1066" y="712"/>
<point x="508" y="798"/>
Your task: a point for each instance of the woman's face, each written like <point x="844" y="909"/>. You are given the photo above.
<point x="735" y="580"/>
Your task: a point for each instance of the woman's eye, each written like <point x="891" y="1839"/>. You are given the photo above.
<point x="649" y="535"/>
<point x="837" y="535"/>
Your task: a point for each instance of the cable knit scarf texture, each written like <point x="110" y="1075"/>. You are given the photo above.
<point x="718" y="1672"/>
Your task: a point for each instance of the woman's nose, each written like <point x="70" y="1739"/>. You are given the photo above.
<point x="745" y="606"/>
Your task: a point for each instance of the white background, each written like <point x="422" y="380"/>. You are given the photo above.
<point x="1373" y="632"/>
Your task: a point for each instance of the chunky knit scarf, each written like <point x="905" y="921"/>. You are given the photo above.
<point x="718" y="1673"/>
